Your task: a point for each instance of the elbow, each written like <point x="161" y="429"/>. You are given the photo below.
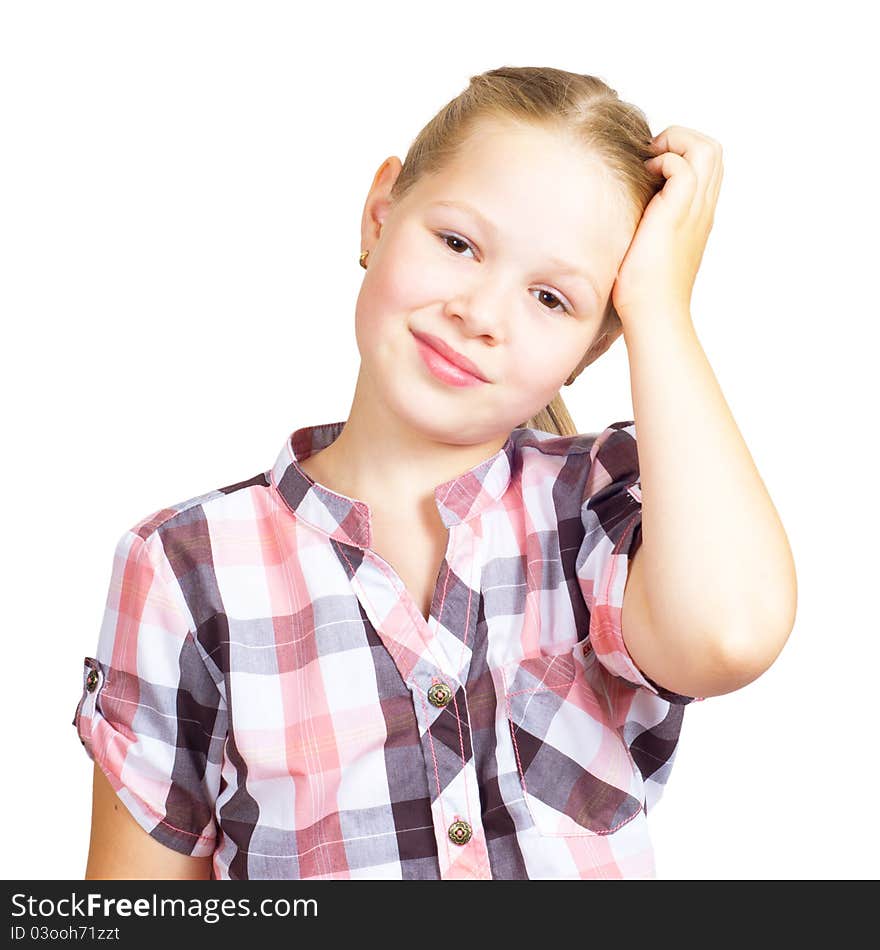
<point x="753" y="647"/>
<point x="746" y="656"/>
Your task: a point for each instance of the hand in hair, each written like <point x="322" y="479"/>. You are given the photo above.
<point x="657" y="273"/>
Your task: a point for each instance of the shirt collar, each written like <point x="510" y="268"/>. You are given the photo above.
<point x="348" y="519"/>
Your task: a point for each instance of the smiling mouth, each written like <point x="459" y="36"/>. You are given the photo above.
<point x="442" y="368"/>
<point x="450" y="354"/>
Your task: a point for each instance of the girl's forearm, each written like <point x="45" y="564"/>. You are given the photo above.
<point x="718" y="568"/>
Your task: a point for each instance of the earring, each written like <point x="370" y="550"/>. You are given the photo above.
<point x="363" y="259"/>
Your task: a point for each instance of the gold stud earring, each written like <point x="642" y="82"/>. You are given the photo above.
<point x="363" y="259"/>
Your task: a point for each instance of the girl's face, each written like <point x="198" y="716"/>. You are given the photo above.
<point x="508" y="256"/>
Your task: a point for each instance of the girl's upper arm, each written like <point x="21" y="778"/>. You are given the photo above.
<point x="121" y="850"/>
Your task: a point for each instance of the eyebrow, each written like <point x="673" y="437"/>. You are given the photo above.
<point x="562" y="267"/>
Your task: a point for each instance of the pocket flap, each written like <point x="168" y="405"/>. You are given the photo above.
<point x="576" y="772"/>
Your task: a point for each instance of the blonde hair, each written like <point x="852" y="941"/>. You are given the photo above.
<point x="582" y="108"/>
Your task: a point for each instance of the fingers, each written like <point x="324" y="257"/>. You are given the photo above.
<point x="681" y="182"/>
<point x="700" y="152"/>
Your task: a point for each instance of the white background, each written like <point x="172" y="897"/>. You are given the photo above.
<point x="182" y="187"/>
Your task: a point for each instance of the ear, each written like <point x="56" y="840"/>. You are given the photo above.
<point x="377" y="204"/>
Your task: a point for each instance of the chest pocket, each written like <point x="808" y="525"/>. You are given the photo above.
<point x="577" y="775"/>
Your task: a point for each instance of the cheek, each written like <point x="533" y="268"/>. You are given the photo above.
<point x="369" y="324"/>
<point x="407" y="274"/>
<point x="540" y="361"/>
<point x="382" y="323"/>
<point x="533" y="375"/>
<point x="392" y="293"/>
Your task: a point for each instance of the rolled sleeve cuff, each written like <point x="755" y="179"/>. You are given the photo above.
<point x="606" y="628"/>
<point x="115" y="752"/>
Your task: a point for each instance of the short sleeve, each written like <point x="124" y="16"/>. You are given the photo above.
<point x="150" y="714"/>
<point x="611" y="514"/>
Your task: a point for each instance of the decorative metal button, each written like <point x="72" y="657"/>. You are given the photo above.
<point x="460" y="832"/>
<point x="439" y="694"/>
<point x="92" y="680"/>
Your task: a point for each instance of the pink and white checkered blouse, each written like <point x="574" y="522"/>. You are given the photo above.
<point x="266" y="691"/>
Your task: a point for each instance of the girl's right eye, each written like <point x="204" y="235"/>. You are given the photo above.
<point x="447" y="236"/>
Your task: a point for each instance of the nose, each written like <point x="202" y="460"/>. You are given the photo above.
<point x="480" y="307"/>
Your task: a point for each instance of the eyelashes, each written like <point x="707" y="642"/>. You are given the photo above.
<point x="447" y="236"/>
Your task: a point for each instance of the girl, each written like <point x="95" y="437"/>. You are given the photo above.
<point x="434" y="641"/>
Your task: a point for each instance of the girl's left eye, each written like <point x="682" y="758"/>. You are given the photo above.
<point x="446" y="237"/>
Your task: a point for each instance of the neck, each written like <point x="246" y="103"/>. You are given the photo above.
<point x="383" y="460"/>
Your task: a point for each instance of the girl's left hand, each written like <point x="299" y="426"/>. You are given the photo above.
<point x="658" y="271"/>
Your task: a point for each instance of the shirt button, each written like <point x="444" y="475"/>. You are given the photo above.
<point x="439" y="694"/>
<point x="459" y="832"/>
<point x="92" y="680"/>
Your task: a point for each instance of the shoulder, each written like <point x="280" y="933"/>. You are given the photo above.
<point x="584" y="461"/>
<point x="531" y="442"/>
<point x="181" y="519"/>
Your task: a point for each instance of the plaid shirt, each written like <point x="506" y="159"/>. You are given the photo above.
<point x="266" y="691"/>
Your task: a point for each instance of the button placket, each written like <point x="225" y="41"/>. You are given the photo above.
<point x="456" y="785"/>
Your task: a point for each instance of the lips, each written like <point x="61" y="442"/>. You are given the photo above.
<point x="446" y="351"/>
